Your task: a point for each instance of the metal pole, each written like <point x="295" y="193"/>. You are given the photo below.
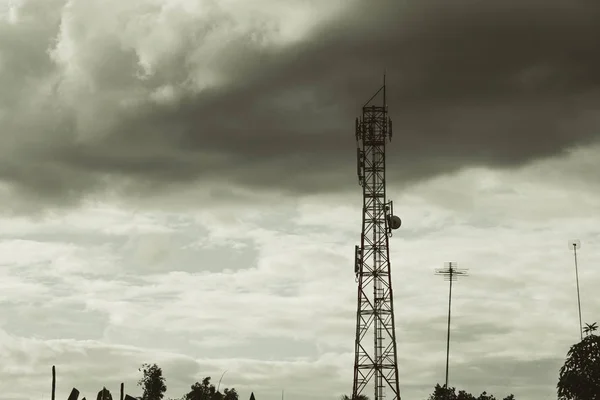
<point x="451" y="272"/>
<point x="448" y="337"/>
<point x="578" y="298"/>
<point x="53" y="382"/>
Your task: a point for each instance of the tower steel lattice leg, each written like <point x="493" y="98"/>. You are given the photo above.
<point x="375" y="361"/>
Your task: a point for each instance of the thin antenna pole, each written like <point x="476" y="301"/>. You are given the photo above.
<point x="53" y="382"/>
<point x="448" y="336"/>
<point x="578" y="297"/>
<point x="450" y="273"/>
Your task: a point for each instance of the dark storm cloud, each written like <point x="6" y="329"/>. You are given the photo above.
<point x="496" y="83"/>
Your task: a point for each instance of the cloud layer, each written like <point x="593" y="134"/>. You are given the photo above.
<point x="268" y="293"/>
<point x="147" y="98"/>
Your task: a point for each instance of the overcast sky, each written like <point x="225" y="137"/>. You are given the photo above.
<point x="178" y="186"/>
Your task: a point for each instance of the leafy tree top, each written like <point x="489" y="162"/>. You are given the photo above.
<point x="152" y="382"/>
<point x="207" y="391"/>
<point x="443" y="393"/>
<point x="590" y="328"/>
<point x="579" y="377"/>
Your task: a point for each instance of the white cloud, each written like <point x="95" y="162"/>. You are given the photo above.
<point x="144" y="49"/>
<point x="295" y="300"/>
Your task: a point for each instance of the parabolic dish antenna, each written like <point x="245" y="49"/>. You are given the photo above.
<point x="394" y="222"/>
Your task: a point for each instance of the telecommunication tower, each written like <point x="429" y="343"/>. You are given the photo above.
<point x="375" y="362"/>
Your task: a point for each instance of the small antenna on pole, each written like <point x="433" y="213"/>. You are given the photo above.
<point x="575" y="244"/>
<point x="450" y="272"/>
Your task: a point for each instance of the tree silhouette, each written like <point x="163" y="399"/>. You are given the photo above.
<point x="589" y="329"/>
<point x="462" y="395"/>
<point x="443" y="393"/>
<point x="359" y="397"/>
<point x="485" y="396"/>
<point x="201" y="391"/>
<point x="230" y="394"/>
<point x="152" y="383"/>
<point x="207" y="391"/>
<point x="579" y="377"/>
<point x="104" y="394"/>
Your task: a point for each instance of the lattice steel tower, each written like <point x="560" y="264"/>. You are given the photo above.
<point x="375" y="346"/>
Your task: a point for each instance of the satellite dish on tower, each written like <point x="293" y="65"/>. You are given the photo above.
<point x="394" y="222"/>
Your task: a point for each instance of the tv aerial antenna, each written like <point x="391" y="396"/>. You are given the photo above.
<point x="450" y="272"/>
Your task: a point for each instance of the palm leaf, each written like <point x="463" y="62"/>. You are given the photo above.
<point x="589" y="328"/>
